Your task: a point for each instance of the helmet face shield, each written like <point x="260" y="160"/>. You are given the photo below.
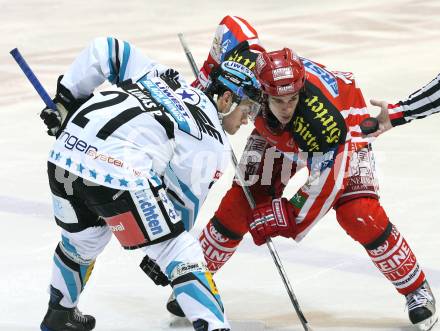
<point x="249" y="100"/>
<point x="252" y="93"/>
<point x="252" y="109"/>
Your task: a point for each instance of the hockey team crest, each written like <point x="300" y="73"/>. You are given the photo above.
<point x="189" y="96"/>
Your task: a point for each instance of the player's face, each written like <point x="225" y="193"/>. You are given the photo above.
<point x="283" y="107"/>
<point x="239" y="116"/>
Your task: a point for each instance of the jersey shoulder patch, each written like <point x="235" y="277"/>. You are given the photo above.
<point x="326" y="77"/>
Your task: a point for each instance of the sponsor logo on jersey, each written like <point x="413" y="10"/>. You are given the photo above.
<point x="167" y="91"/>
<point x="252" y="156"/>
<point x="330" y="125"/>
<point x="167" y="102"/>
<point x="282" y="73"/>
<point x="174" y="106"/>
<point x="302" y="129"/>
<point x="217" y="174"/>
<point x="117" y="228"/>
<point x="125" y="227"/>
<point x="149" y="211"/>
<point x="216" y="177"/>
<point x="326" y="77"/>
<point x="72" y="142"/>
<point x="318" y="125"/>
<point x="299" y="199"/>
<point x="105" y="158"/>
<point x="256" y="143"/>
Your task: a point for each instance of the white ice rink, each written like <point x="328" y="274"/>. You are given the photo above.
<point x="392" y="46"/>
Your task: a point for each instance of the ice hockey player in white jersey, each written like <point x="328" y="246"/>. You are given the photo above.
<point x="138" y="160"/>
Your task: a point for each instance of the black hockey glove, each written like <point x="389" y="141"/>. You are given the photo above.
<point x="153" y="271"/>
<point x="53" y="119"/>
<point x="171" y="77"/>
<point x="66" y="106"/>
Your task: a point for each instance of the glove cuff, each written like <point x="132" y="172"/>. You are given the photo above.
<point x="66" y="98"/>
<point x="285" y="217"/>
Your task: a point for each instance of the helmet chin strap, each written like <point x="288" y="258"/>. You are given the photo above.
<point x="223" y="115"/>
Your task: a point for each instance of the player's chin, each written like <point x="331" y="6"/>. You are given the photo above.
<point x="232" y="129"/>
<point x="284" y="119"/>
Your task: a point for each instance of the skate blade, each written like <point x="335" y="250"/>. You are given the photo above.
<point x="427" y="324"/>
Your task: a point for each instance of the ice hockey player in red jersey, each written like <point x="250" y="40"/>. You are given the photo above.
<point x="310" y="118"/>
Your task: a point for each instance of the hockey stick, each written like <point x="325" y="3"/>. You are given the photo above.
<point x="188" y="54"/>
<point x="33" y="79"/>
<point x="252" y="204"/>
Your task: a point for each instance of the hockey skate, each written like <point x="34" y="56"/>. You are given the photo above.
<point x="421" y="307"/>
<point x="201" y="325"/>
<point x="173" y="306"/>
<point x="67" y="319"/>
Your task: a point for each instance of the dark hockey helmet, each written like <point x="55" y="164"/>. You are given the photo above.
<point x="280" y="72"/>
<point x="238" y="79"/>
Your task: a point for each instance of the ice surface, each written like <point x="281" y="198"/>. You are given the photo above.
<point x="392" y="47"/>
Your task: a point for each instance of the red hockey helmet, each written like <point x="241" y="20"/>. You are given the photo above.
<point x="280" y="72"/>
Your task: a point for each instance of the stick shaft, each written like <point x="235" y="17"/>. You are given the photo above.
<point x="188" y="54"/>
<point x="32" y="78"/>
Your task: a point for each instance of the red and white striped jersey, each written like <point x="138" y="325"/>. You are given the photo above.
<point x="419" y="104"/>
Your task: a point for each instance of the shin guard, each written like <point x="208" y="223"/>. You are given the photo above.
<point x="365" y="221"/>
<point x="197" y="294"/>
<point x="218" y="244"/>
<point x="70" y="275"/>
<point x="394" y="258"/>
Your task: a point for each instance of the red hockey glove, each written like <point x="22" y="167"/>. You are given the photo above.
<point x="276" y="218"/>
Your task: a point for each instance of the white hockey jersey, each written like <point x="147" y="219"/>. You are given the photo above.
<point x="157" y="128"/>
